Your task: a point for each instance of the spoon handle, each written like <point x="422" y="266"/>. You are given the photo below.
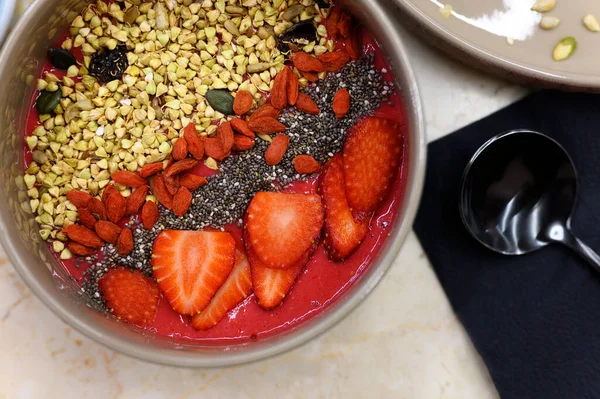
<point x="582" y="249"/>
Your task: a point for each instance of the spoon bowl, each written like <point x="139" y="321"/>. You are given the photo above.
<point x="518" y="193"/>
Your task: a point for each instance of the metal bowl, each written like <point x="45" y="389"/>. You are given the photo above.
<point x="20" y="62"/>
<point x="7" y="8"/>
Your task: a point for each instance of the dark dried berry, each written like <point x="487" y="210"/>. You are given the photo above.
<point x="61" y="58"/>
<point x="293" y="38"/>
<point x="108" y="65"/>
<point x="323" y="3"/>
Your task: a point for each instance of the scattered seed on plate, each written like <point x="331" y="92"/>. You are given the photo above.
<point x="549" y="22"/>
<point x="446" y="11"/>
<point x="543" y="5"/>
<point x="591" y="23"/>
<point x="564" y="48"/>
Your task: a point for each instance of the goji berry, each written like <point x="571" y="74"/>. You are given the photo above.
<point x="182" y="201"/>
<point x="87" y="218"/>
<point x="243" y="102"/>
<point x="125" y="242"/>
<point x="108" y="190"/>
<point x="79" y="198"/>
<point x="97" y="208"/>
<point x="306" y="164"/>
<point x="306" y="62"/>
<point x="332" y="21"/>
<point x="266" y="125"/>
<point x="191" y="181"/>
<point x="128" y="179"/>
<point x="306" y="104"/>
<point x="136" y="200"/>
<point x="181" y="166"/>
<point x="277" y="149"/>
<point x="83" y="236"/>
<point x="172" y="183"/>
<point x="241" y="127"/>
<point x="311" y="76"/>
<point x="213" y="149"/>
<point x="80" y="250"/>
<point x="225" y="136"/>
<point x="108" y="231"/>
<point x="265" y="111"/>
<point x="292" y="88"/>
<point x="341" y="103"/>
<point x="149" y="214"/>
<point x="160" y="191"/>
<point x="151" y="169"/>
<point x="279" y="90"/>
<point x="195" y="145"/>
<point x="116" y="205"/>
<point x="333" y="62"/>
<point x="242" y="143"/>
<point x="180" y="149"/>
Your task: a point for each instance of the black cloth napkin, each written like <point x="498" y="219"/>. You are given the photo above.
<point x="535" y="319"/>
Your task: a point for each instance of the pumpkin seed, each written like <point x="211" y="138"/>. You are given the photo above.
<point x="61" y="58"/>
<point x="47" y="101"/>
<point x="564" y="48"/>
<point x="220" y="100"/>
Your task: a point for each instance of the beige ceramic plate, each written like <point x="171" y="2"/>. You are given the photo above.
<point x="478" y="30"/>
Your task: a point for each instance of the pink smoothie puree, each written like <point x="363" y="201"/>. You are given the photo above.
<point x="321" y="283"/>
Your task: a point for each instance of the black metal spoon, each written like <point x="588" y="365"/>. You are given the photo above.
<point x="518" y="193"/>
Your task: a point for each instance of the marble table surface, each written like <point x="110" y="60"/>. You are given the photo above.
<point x="404" y="341"/>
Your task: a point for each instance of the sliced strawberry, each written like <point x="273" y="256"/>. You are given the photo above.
<point x="190" y="266"/>
<point x="282" y="227"/>
<point x="130" y="295"/>
<point x="342" y="233"/>
<point x="372" y="157"/>
<point x="236" y="288"/>
<point x="272" y="285"/>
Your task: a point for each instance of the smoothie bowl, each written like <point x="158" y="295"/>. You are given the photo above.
<point x="206" y="183"/>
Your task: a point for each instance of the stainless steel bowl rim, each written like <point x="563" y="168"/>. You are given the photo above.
<point x="376" y="11"/>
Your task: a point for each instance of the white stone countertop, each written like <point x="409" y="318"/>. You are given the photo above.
<point x="404" y="341"/>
